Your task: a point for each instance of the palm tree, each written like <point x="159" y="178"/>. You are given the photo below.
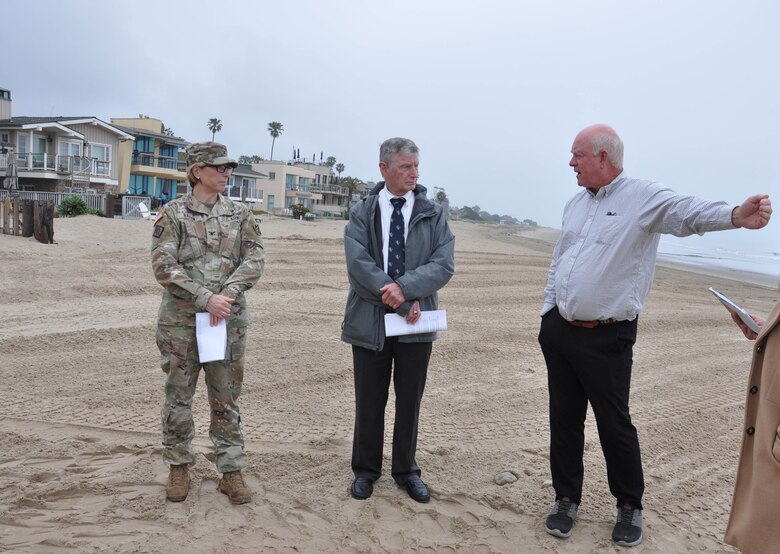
<point x="275" y="129"/>
<point x="339" y="169"/>
<point x="215" y="126"/>
<point x="330" y="162"/>
<point x="353" y="185"/>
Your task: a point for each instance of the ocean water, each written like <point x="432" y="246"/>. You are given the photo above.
<point x="721" y="252"/>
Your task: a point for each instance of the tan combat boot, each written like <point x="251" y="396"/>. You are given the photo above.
<point x="178" y="483"/>
<point x="232" y="484"/>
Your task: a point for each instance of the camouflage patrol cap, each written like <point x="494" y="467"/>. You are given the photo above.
<point x="209" y="153"/>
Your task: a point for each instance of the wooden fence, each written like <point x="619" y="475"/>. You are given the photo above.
<point x="97" y="201"/>
<point x="26" y="218"/>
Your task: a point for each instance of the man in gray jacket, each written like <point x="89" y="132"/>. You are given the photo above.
<point x="399" y="252"/>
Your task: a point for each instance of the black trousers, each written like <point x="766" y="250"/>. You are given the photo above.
<point x="591" y="365"/>
<point x="408" y="364"/>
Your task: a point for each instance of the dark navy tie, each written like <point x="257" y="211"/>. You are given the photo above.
<point x="396" y="247"/>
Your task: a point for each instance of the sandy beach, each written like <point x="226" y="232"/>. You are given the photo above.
<point x="80" y="453"/>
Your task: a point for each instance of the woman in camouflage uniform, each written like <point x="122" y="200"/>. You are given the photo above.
<point x="206" y="252"/>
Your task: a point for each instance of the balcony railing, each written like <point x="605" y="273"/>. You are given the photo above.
<point x="60" y="164"/>
<point x="329" y="189"/>
<point x="252" y="194"/>
<point x="164" y="162"/>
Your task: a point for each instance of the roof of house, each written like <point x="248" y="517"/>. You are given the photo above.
<point x="247" y="171"/>
<point x="143" y="132"/>
<point x="26" y="121"/>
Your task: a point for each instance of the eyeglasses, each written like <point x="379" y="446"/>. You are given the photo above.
<point x="221" y="168"/>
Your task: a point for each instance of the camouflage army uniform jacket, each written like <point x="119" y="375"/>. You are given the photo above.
<point x="197" y="252"/>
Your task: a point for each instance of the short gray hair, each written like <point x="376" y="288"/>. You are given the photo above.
<point x="396" y="145"/>
<point x="612" y="145"/>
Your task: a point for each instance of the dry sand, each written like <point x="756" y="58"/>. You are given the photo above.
<point x="80" y="454"/>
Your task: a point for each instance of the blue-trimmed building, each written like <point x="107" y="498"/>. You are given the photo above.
<point x="154" y="165"/>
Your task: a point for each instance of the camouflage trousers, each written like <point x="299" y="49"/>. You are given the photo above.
<point x="179" y="359"/>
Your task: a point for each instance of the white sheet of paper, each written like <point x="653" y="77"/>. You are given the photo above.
<point x="430" y="321"/>
<point x="212" y="341"/>
<point x="732" y="307"/>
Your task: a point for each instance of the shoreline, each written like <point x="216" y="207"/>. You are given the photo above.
<point x="766" y="280"/>
<point x="763" y="280"/>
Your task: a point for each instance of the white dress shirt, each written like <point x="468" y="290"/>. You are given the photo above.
<point x="386" y="210"/>
<point x="603" y="264"/>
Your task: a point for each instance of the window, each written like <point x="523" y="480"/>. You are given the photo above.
<point x="233" y="189"/>
<point x="102" y="156"/>
<point x="272" y="176"/>
<point x="21" y="144"/>
<point x="169" y="150"/>
<point x="271" y="202"/>
<point x="141" y="184"/>
<point x="166" y="188"/>
<point x="4" y="137"/>
<point x="169" y="156"/>
<point x="101" y="152"/>
<point x="143" y="151"/>
<point x="39" y="151"/>
<point x="144" y="144"/>
<point x="69" y="148"/>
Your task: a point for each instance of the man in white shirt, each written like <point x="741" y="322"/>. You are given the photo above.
<point x="601" y="271"/>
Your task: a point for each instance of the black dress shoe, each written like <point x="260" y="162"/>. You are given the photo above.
<point x="417" y="489"/>
<point x="362" y="488"/>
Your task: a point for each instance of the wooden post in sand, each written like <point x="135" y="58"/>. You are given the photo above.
<point x="9" y="215"/>
<point x="27" y="218"/>
<point x="5" y="215"/>
<point x="15" y="223"/>
<point x="109" y="213"/>
<point x="43" y="215"/>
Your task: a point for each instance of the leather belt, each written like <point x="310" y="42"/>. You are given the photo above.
<point x="594" y="323"/>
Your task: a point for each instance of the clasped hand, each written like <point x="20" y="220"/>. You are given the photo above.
<point x="393" y="296"/>
<point x="219" y="308"/>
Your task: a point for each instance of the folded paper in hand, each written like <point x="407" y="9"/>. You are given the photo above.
<point x="732" y="307"/>
<point x="430" y="321"/>
<point x="212" y="341"/>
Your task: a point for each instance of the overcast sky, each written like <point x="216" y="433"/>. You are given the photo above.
<point x="492" y="92"/>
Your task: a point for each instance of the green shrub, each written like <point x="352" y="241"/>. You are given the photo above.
<point x="299" y="210"/>
<point x="75" y="205"/>
<point x="72" y="206"/>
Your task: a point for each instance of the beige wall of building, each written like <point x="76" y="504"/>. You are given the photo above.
<point x="286" y="184"/>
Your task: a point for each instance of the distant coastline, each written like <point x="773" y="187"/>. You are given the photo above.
<point x="760" y="271"/>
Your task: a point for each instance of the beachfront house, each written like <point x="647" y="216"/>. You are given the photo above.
<point x="309" y="184"/>
<point x="286" y="185"/>
<point x="153" y="164"/>
<point x="245" y="185"/>
<point x="59" y="154"/>
<point x="333" y="201"/>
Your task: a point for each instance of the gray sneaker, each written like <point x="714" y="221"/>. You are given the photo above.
<point x="561" y="518"/>
<point x="628" y="526"/>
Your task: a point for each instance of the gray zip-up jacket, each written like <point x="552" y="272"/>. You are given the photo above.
<point x="430" y="263"/>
